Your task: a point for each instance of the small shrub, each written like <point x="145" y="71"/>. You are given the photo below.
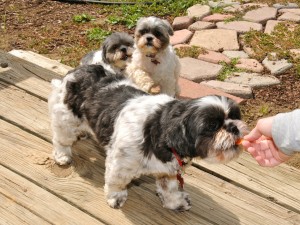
<point x="97" y="34"/>
<point x="83" y="18"/>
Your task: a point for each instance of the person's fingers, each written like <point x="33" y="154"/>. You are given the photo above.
<point x="253" y="135"/>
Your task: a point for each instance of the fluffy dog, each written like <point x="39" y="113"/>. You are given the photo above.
<point x="154" y="66"/>
<point x="141" y="133"/>
<point x="114" y="54"/>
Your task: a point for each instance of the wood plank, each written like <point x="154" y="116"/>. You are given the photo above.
<point x="12" y="213"/>
<point x="23" y="74"/>
<point x="36" y="119"/>
<point x="279" y="184"/>
<point x="26" y="202"/>
<point x="42" y="61"/>
<point x="213" y="200"/>
<point x="24" y="109"/>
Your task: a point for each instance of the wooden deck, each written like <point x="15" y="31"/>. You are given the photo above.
<point x="33" y="190"/>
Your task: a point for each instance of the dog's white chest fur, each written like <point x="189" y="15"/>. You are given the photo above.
<point x="164" y="68"/>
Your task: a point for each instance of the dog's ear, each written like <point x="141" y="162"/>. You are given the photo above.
<point x="169" y="27"/>
<point x="104" y="51"/>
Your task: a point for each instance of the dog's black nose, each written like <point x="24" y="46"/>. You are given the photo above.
<point x="123" y="49"/>
<point x="232" y="129"/>
<point x="149" y="39"/>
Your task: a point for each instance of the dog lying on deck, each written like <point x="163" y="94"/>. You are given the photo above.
<point x="142" y="134"/>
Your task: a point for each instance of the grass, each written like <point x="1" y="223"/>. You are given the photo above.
<point x="83" y="18"/>
<point x="189" y="51"/>
<point x="97" y="34"/>
<point x="129" y="14"/>
<point x="228" y="69"/>
<point x="264" y="110"/>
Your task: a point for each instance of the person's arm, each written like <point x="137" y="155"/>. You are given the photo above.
<point x="286" y="132"/>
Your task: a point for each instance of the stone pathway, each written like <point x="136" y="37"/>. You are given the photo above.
<point x="219" y="35"/>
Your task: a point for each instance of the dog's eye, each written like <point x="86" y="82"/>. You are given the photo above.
<point x="213" y="126"/>
<point x="157" y="33"/>
<point x="144" y="31"/>
<point x="114" y="47"/>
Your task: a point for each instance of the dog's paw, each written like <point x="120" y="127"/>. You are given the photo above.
<point x="178" y="201"/>
<point x="117" y="199"/>
<point x="62" y="159"/>
<point x="155" y="90"/>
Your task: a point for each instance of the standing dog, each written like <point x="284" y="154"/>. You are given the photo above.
<point x="142" y="134"/>
<point x="154" y="66"/>
<point x="114" y="54"/>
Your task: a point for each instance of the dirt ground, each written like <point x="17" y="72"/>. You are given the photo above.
<point x="47" y="27"/>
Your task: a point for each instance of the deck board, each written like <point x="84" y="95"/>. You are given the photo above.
<point x="34" y="205"/>
<point x="82" y="185"/>
<point x="238" y="193"/>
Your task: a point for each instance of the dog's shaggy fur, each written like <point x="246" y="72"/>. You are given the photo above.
<point x="114" y="55"/>
<point x="154" y="66"/>
<point x="139" y="130"/>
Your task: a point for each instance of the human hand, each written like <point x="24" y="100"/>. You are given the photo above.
<point x="260" y="145"/>
<point x="265" y="152"/>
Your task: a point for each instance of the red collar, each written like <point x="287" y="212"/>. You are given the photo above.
<point x="181" y="171"/>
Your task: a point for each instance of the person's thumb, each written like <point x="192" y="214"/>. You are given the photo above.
<point x="253" y="135"/>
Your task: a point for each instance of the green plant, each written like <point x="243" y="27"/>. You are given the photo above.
<point x="129" y="14"/>
<point x="83" y="18"/>
<point x="97" y="34"/>
<point x="264" y="110"/>
<point x="228" y="69"/>
<point x="189" y="51"/>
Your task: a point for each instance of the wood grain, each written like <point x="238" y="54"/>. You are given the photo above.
<point x="22" y="202"/>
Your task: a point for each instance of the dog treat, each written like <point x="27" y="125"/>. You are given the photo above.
<point x="239" y="141"/>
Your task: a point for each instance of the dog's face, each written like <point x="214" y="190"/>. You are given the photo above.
<point x="211" y="126"/>
<point x="218" y="128"/>
<point x="152" y="35"/>
<point x="117" y="49"/>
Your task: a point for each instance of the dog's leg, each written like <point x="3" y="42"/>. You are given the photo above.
<point x="143" y="80"/>
<point x="117" y="177"/>
<point x="171" y="197"/>
<point x="64" y="127"/>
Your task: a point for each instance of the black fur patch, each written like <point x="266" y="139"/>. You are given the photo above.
<point x="87" y="98"/>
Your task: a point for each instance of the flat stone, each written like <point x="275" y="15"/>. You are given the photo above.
<point x="233" y="8"/>
<point x="217" y="17"/>
<point x="198" y="11"/>
<point x="236" y="54"/>
<point x="285" y="6"/>
<point x="278" y="66"/>
<point x="240" y="26"/>
<point x="271" y="24"/>
<point x="249" y="50"/>
<point x="253" y="80"/>
<point x="253" y="4"/>
<point x="240" y="90"/>
<point x="216" y="39"/>
<point x="182" y="22"/>
<point x="191" y="90"/>
<point x="295" y="11"/>
<point x="214" y="57"/>
<point x="295" y="53"/>
<point x="250" y="65"/>
<point x="289" y="17"/>
<point x="181" y="37"/>
<point x="180" y="46"/>
<point x="198" y="70"/>
<point x="222" y="3"/>
<point x="201" y="25"/>
<point x="261" y="15"/>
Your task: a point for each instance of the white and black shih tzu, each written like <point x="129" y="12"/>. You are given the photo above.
<point x="155" y="66"/>
<point x="115" y="53"/>
<point x="142" y="134"/>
